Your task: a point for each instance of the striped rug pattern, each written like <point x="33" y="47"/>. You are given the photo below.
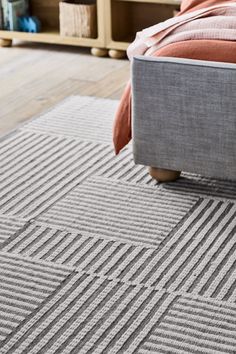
<point x="97" y="257"/>
<point x="9" y="226"/>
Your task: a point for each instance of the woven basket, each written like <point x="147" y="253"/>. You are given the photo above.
<point x="78" y="20"/>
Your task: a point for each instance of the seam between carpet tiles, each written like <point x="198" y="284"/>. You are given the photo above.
<point x="110" y="278"/>
<point x="16" y="234"/>
<point x="174" y="295"/>
<point x="160" y="319"/>
<point x="76" y="230"/>
<point x="40" y="307"/>
<point x="82" y="176"/>
<point x="163" y="243"/>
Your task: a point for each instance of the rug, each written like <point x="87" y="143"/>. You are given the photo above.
<point x="97" y="257"/>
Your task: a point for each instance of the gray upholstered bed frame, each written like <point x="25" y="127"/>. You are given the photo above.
<point x="184" y="115"/>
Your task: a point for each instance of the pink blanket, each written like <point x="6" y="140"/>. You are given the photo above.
<point x="214" y="27"/>
<point x="213" y="22"/>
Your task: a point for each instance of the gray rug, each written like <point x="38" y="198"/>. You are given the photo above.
<point x="96" y="257"/>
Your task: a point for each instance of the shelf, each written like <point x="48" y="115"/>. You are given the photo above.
<point x="48" y="13"/>
<point x="50" y="36"/>
<point x="117" y="23"/>
<point x="162" y="2"/>
<point x="130" y="16"/>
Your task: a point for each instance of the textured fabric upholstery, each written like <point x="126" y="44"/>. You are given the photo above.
<point x="184" y="115"/>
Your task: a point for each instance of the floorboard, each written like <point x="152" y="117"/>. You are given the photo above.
<point x="34" y="77"/>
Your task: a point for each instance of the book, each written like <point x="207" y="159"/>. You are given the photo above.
<point x="10" y="10"/>
<point x="16" y="8"/>
<point x="1" y="16"/>
<point x="4" y="7"/>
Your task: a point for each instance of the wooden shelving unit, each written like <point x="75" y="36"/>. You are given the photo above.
<point x="48" y="13"/>
<point x="117" y="23"/>
<point x="130" y="16"/>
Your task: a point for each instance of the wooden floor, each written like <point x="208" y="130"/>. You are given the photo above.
<point x="34" y="77"/>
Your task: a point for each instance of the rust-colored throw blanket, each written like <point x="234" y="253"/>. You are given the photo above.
<point x="182" y="46"/>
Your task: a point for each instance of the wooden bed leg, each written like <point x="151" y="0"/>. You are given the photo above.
<point x="162" y="175"/>
<point x="5" y="42"/>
